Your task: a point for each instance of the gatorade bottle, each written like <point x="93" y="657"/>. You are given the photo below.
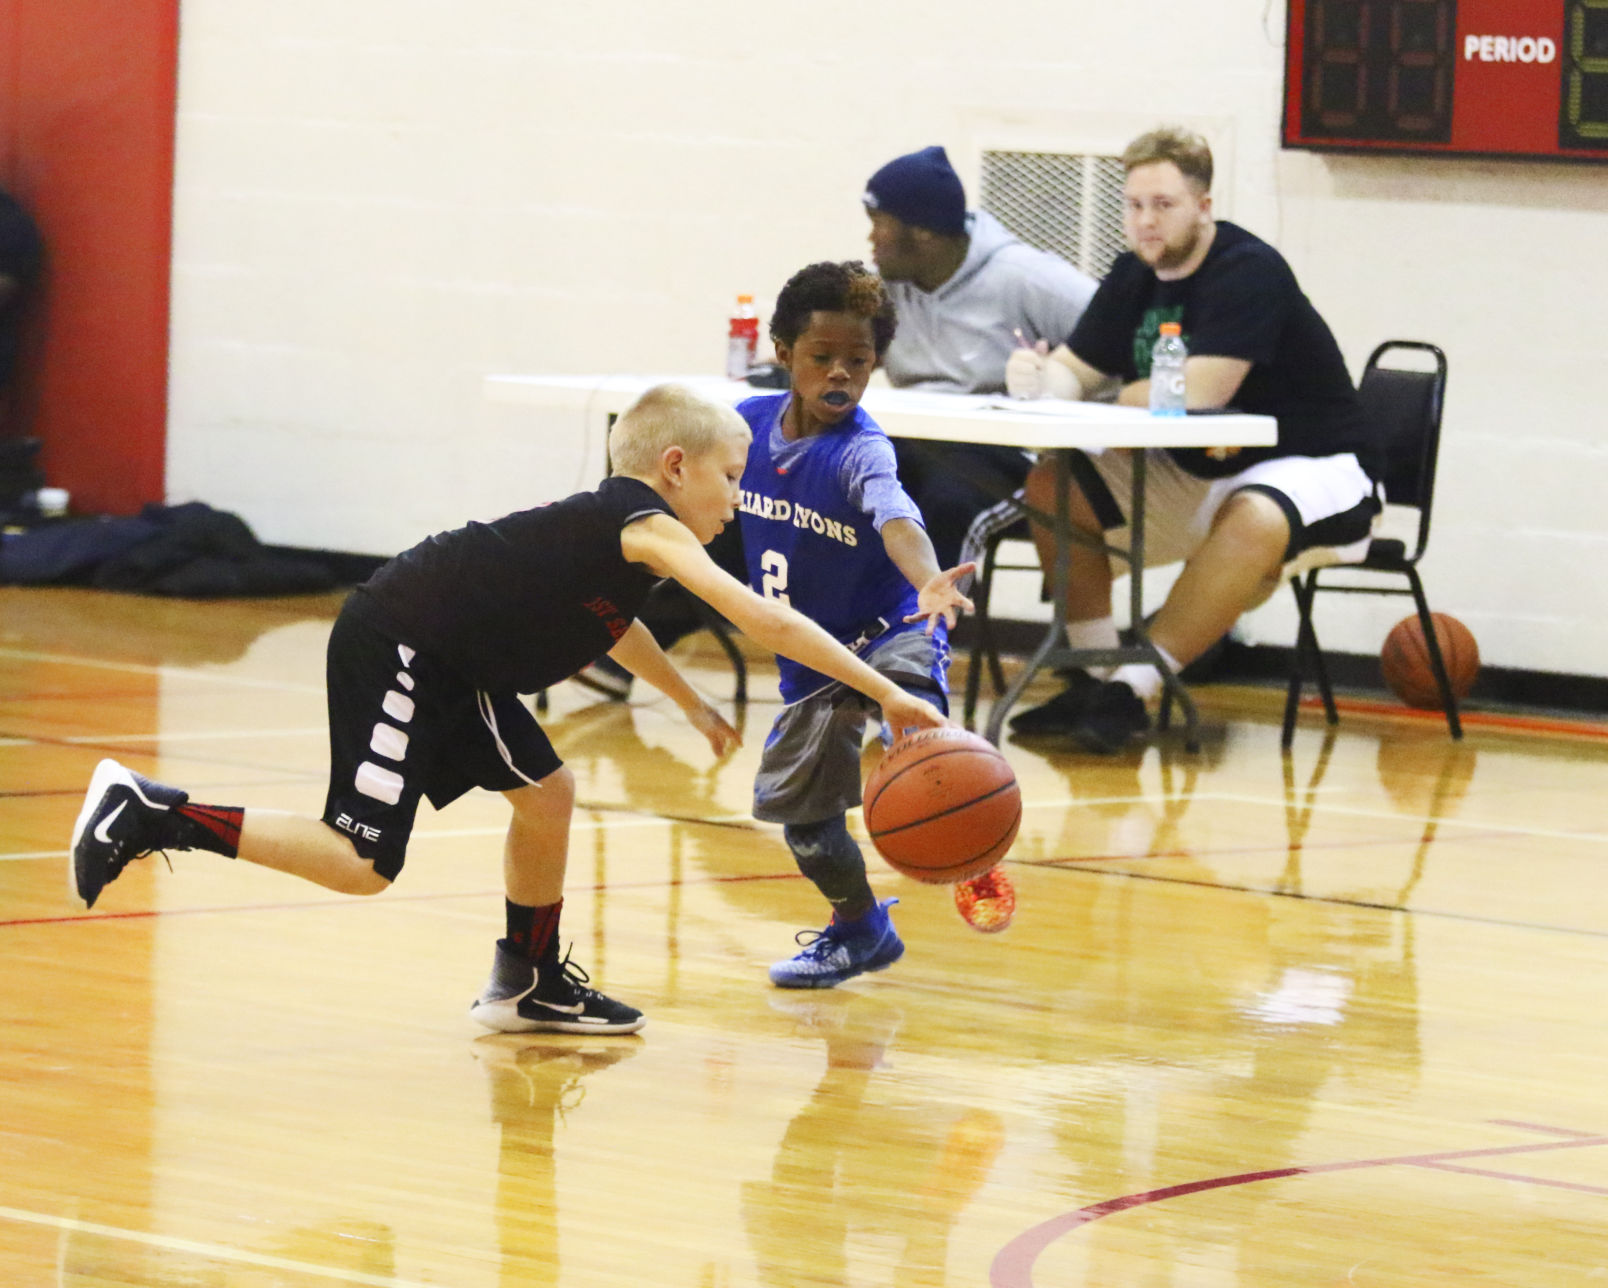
<point x="1167" y="372"/>
<point x="742" y="341"/>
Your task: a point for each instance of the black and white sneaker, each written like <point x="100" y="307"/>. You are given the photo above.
<point x="521" y="999"/>
<point x="1114" y="717"/>
<point x="1062" y="713"/>
<point x="122" y="820"/>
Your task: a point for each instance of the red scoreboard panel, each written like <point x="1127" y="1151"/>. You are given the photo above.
<point x="1523" y="78"/>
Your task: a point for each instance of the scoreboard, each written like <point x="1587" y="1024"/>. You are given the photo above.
<point x="1519" y="78"/>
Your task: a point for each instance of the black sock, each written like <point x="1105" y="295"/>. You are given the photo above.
<point x="533" y="932"/>
<point x="204" y="827"/>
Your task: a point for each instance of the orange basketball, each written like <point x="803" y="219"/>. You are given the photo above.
<point x="942" y="806"/>
<point x="1405" y="660"/>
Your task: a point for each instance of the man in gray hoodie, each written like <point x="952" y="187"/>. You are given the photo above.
<point x="965" y="289"/>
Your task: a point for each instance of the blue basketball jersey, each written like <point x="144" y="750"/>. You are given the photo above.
<point x="809" y="546"/>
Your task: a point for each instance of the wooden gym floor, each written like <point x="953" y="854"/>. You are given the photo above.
<point x="1330" y="1020"/>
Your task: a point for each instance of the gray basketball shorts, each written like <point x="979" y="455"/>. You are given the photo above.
<point x="810" y="768"/>
<point x="403" y="725"/>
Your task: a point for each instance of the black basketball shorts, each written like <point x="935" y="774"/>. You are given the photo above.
<point x="403" y="725"/>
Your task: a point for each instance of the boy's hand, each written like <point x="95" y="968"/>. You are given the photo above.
<point x="903" y="711"/>
<point x="939" y="598"/>
<point x="723" y="739"/>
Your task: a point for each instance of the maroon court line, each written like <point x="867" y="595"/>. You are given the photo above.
<point x="1541" y="1127"/>
<point x="1517" y="1176"/>
<point x="1273" y="892"/>
<point x="376" y="901"/>
<point x="1073" y="860"/>
<point x="1012" y="1266"/>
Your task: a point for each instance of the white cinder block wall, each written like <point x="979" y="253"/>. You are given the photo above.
<point x="378" y="203"/>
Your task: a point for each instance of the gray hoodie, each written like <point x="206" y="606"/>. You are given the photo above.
<point x="957" y="338"/>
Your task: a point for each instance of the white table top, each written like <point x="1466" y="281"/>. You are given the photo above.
<point x="912" y="413"/>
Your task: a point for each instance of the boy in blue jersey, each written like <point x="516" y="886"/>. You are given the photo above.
<point x="828" y="529"/>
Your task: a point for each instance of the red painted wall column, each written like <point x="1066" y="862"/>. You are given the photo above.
<point x="87" y="92"/>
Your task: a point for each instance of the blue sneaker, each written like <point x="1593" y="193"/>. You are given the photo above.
<point x="842" y="951"/>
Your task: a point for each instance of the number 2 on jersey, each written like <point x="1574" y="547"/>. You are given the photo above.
<point x="774" y="582"/>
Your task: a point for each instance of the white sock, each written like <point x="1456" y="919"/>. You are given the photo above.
<point x="1098" y="632"/>
<point x="1143" y="678"/>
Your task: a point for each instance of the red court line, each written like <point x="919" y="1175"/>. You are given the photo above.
<point x="1541" y="1127"/>
<point x="1516" y="1176"/>
<point x="373" y="901"/>
<point x="1012" y="1266"/>
<point x="1282" y="847"/>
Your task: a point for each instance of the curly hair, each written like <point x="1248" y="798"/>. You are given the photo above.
<point x="849" y="287"/>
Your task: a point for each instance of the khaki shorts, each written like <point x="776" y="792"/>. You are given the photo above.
<point x="1330" y="502"/>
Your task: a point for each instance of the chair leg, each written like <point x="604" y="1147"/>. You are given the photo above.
<point x="974" y="677"/>
<point x="738" y="663"/>
<point x="996" y="675"/>
<point x="1320" y="666"/>
<point x="1306" y="648"/>
<point x="983" y="648"/>
<point x="1436" y="662"/>
<point x="1292" y="694"/>
<point x="718" y="627"/>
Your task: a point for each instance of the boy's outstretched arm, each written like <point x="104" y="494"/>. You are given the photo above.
<point x="910" y="548"/>
<point x="639" y="653"/>
<point x="669" y="549"/>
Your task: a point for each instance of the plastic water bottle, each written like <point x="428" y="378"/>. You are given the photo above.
<point x="1167" y="372"/>
<point x="742" y="342"/>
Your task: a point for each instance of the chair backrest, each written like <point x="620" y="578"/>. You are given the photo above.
<point x="1405" y="405"/>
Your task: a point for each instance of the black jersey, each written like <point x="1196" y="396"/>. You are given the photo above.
<point x="1242" y="302"/>
<point x="526" y="601"/>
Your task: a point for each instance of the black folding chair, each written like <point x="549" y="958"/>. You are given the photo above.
<point x="1406" y="405"/>
<point x="1006" y="521"/>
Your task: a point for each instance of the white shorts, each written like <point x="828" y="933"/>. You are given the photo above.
<point x="1330" y="502"/>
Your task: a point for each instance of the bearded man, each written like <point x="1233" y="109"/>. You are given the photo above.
<point x="1237" y="518"/>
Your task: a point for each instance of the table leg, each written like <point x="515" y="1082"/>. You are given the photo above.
<point x="1053" y="646"/>
<point x="1136" y="608"/>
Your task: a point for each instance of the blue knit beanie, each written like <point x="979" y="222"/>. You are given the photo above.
<point x="921" y="188"/>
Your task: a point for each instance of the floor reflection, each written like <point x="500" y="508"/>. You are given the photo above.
<point x="601" y="743"/>
<point x="535" y="1085"/>
<point x="833" y="1179"/>
<point x="1424" y="775"/>
<point x="1286" y="1015"/>
<point x="150" y="629"/>
<point x="92" y="1256"/>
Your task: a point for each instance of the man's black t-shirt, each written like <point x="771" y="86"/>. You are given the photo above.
<point x="526" y="601"/>
<point x="1242" y="302"/>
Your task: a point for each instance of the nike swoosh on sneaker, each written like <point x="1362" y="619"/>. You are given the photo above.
<point x="554" y="1006"/>
<point x="103" y="828"/>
